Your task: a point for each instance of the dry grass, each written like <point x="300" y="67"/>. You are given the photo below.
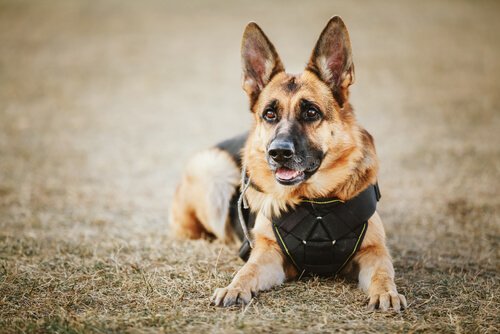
<point x="101" y="103"/>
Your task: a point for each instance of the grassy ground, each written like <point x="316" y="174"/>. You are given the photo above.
<point x="102" y="102"/>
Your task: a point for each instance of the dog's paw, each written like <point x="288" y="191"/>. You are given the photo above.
<point x="231" y="296"/>
<point x="387" y="300"/>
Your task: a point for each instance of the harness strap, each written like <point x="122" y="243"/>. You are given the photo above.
<point x="245" y="183"/>
<point x="241" y="203"/>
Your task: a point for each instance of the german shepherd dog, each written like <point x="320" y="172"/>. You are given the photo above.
<point x="304" y="143"/>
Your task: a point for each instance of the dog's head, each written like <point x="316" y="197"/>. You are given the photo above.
<point x="302" y="122"/>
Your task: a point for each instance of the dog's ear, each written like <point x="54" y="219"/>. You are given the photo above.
<point x="331" y="59"/>
<point x="259" y="59"/>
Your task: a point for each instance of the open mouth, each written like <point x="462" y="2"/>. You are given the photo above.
<point x="287" y="176"/>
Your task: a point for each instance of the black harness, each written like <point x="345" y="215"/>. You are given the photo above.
<point x="319" y="236"/>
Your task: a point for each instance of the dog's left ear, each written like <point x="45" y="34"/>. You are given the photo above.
<point x="331" y="59"/>
<point x="259" y="59"/>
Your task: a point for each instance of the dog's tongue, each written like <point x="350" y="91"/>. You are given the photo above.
<point x="286" y="174"/>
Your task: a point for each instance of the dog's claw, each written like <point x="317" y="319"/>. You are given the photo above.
<point x="218" y="296"/>
<point x="402" y="298"/>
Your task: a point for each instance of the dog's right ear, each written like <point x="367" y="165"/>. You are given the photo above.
<point x="259" y="59"/>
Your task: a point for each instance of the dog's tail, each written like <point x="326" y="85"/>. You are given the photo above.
<point x="201" y="201"/>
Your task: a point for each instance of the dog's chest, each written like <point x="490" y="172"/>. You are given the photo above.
<point x="321" y="236"/>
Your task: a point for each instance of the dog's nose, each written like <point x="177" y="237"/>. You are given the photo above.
<point x="281" y="150"/>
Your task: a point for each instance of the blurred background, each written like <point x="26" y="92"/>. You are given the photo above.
<point x="101" y="103"/>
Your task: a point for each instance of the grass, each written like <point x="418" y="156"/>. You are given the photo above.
<point x="102" y="103"/>
<point x="55" y="286"/>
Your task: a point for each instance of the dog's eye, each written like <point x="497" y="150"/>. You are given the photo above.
<point x="311" y="114"/>
<point x="270" y="115"/>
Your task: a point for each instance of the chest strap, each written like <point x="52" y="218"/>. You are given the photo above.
<point x="320" y="236"/>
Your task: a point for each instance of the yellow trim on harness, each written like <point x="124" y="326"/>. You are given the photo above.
<point x="326" y="202"/>
<point x="284" y="245"/>
<point x="362" y="234"/>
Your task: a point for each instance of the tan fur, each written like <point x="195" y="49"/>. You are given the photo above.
<point x="201" y="202"/>
<point x="349" y="165"/>
<point x="376" y="273"/>
<point x="264" y="269"/>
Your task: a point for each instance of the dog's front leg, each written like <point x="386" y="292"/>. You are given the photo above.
<point x="376" y="272"/>
<point x="263" y="270"/>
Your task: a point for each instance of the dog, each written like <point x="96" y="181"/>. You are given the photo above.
<point x="304" y="143"/>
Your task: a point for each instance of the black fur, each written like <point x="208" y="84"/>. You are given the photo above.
<point x="291" y="86"/>
<point x="234" y="146"/>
